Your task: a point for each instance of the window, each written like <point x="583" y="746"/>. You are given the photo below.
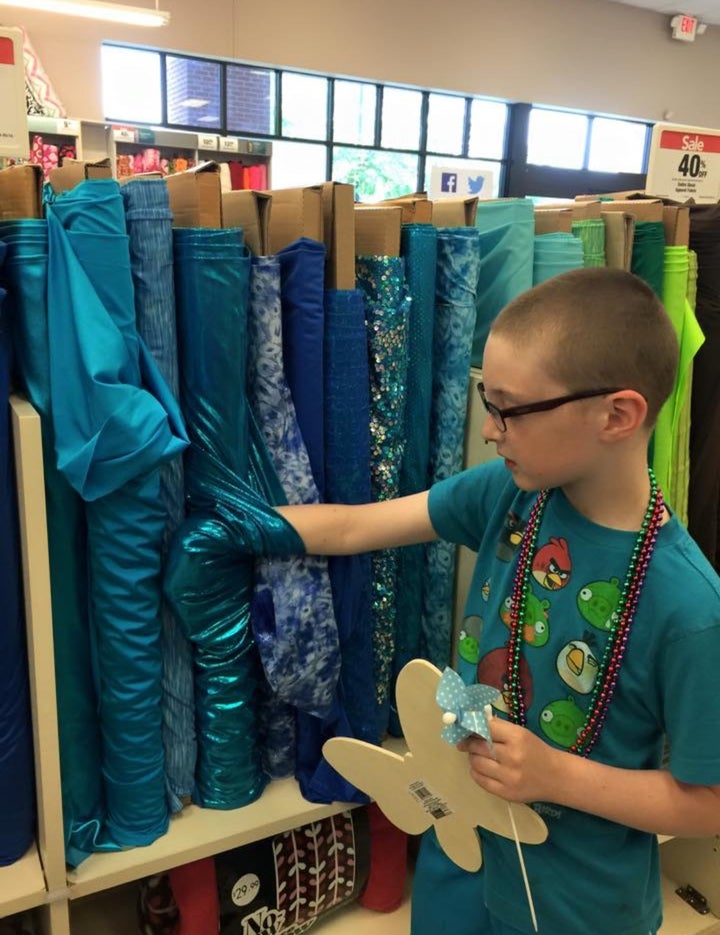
<point x="617" y="145"/>
<point x="193" y="92"/>
<point x="250" y="101"/>
<point x="488" y="121"/>
<point x="132" y="85"/>
<point x="298" y="164"/>
<point x="304" y="106"/>
<point x="354" y="112"/>
<point x="376" y="174"/>
<point x="556" y="138"/>
<point x="401" y="118"/>
<point x="446" y="124"/>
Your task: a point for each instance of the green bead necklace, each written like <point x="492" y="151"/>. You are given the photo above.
<point x="609" y="667"/>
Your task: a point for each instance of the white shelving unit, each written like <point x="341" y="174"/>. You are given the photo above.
<point x="95" y="898"/>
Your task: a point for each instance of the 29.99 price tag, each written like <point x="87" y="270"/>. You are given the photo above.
<point x="684" y="163"/>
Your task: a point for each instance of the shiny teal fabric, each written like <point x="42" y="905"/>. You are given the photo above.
<point x="209" y="575"/>
<point x="419" y="247"/>
<point x="457" y="276"/>
<point x="149" y="226"/>
<point x="83" y="797"/>
<point x="115" y="423"/>
<point x="554" y="254"/>
<point x="507" y="233"/>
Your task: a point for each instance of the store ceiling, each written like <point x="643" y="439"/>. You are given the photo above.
<point x="707" y="11"/>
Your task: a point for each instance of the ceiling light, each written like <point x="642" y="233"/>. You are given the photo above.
<point x="96" y="9"/>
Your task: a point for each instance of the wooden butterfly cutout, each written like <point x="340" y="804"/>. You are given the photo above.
<point x="431" y="784"/>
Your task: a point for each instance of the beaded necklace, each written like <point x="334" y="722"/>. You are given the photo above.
<point x="609" y="667"/>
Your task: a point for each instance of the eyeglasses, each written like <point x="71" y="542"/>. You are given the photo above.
<point x="500" y="415"/>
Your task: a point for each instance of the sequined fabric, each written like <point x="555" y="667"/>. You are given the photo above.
<point x="457" y="276"/>
<point x="387" y="306"/>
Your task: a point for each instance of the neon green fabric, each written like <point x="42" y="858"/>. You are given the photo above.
<point x="670" y="454"/>
<point x="591" y="233"/>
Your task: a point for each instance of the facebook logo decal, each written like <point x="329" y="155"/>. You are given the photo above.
<point x="448" y="182"/>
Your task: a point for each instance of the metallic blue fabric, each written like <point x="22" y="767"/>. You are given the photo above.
<point x="302" y="272"/>
<point x="387" y="307"/>
<point x="457" y="276"/>
<point x="507" y="234"/>
<point x="149" y="226"/>
<point x="17" y="788"/>
<point x="419" y="248"/>
<point x="115" y="423"/>
<point x="209" y="575"/>
<point x="83" y="799"/>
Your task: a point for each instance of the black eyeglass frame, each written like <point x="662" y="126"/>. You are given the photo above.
<point x="500" y="415"/>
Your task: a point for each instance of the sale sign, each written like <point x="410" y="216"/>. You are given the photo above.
<point x="14" y="140"/>
<point x="684" y="163"/>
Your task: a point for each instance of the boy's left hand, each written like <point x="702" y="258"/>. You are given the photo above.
<point x="518" y="767"/>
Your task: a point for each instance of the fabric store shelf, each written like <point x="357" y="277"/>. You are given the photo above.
<point x="22" y="884"/>
<point x="201" y="832"/>
<point x="681" y="919"/>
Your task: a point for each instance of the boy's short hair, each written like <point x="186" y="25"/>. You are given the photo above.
<point x="602" y="327"/>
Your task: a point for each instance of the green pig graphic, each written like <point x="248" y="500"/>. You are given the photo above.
<point x="536" y="626"/>
<point x="598" y="602"/>
<point x="562" y="721"/>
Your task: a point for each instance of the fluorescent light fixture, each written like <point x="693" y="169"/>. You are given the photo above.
<point x="96" y="9"/>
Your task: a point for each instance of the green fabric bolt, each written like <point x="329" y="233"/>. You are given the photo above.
<point x="591" y="233"/>
<point x="671" y="436"/>
<point x="648" y="255"/>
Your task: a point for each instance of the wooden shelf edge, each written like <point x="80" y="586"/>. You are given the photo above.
<point x="22" y="884"/>
<point x="197" y="832"/>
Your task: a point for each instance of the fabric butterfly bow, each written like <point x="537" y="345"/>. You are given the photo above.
<point x="464" y="707"/>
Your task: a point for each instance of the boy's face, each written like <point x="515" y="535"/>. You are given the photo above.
<point x="541" y="449"/>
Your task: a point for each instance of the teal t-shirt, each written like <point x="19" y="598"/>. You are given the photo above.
<point x="591" y="876"/>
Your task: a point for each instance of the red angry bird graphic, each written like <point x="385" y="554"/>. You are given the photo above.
<point x="552" y="565"/>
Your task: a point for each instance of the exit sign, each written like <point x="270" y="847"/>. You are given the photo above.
<point x="684" y="27"/>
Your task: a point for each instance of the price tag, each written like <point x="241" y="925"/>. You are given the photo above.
<point x="124" y="134"/>
<point x="14" y="140"/>
<point x="67" y="126"/>
<point x="258" y="147"/>
<point x="208" y="141"/>
<point x="229" y="144"/>
<point x="684" y="163"/>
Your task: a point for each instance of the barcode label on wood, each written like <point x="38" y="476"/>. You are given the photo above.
<point x="429" y="800"/>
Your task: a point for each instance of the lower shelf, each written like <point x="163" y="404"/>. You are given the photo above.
<point x="22" y="884"/>
<point x="681" y="919"/>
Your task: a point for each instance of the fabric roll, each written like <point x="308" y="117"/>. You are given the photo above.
<point x="556" y="253"/>
<point x="17" y="788"/>
<point x="347" y="473"/>
<point x="149" y="227"/>
<point x="387" y="307"/>
<point x="668" y="459"/>
<point x="648" y="253"/>
<point x="302" y="272"/>
<point x="507" y="236"/>
<point x="591" y="233"/>
<point x="293" y="619"/>
<point x="419" y="249"/>
<point x="704" y="499"/>
<point x="210" y="567"/>
<point x="458" y="264"/>
<point x="347" y="470"/>
<point x="115" y="423"/>
<point x="83" y="799"/>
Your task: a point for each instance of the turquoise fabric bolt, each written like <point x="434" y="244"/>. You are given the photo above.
<point x="115" y="423"/>
<point x="83" y="798"/>
<point x="149" y="227"/>
<point x="419" y="247"/>
<point x="457" y="276"/>
<point x="507" y="234"/>
<point x="554" y="254"/>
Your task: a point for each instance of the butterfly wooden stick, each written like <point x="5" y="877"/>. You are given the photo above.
<point x="431" y="784"/>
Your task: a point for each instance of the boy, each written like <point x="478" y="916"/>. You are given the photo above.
<point x="602" y="630"/>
